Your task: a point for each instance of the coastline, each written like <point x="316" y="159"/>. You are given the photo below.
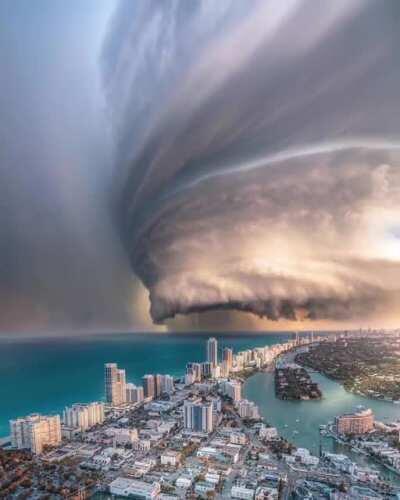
<point x="341" y="382"/>
<point x="366" y="372"/>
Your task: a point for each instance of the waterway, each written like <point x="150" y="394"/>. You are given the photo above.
<point x="299" y="421"/>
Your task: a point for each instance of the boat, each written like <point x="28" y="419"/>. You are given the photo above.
<point x="297" y="420"/>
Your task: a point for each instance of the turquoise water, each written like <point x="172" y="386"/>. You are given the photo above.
<point x="44" y="375"/>
<point x="306" y="416"/>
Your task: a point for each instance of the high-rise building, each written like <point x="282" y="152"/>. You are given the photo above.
<point x="84" y="416"/>
<point x="206" y="369"/>
<point x="228" y="358"/>
<point x="134" y="393"/>
<point x="224" y="372"/>
<point x="212" y="351"/>
<point x="115" y="384"/>
<point x="198" y="416"/>
<point x="195" y="369"/>
<point x="158" y="385"/>
<point x="149" y="386"/>
<point x="35" y="431"/>
<point x="130" y="393"/>
<point x="360" y="422"/>
<point x="232" y="389"/>
<point x="168" y="384"/>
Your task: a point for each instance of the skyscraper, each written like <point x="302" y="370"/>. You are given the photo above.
<point x="158" y="385"/>
<point x="148" y="386"/>
<point x="197" y="416"/>
<point x="212" y="351"/>
<point x="115" y="384"/>
<point x="35" y="431"/>
<point x="228" y="358"/>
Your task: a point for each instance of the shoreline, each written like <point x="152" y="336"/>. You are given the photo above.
<point x="355" y="393"/>
<point x="366" y="372"/>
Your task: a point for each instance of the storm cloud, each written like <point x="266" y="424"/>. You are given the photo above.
<point x="257" y="155"/>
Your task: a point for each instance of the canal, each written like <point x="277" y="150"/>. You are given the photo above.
<point x="299" y="421"/>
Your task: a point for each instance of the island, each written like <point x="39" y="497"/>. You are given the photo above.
<point x="292" y="382"/>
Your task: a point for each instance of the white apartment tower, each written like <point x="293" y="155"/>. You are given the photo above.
<point x="84" y="416"/>
<point x="168" y="384"/>
<point x="35" y="431"/>
<point x="115" y="384"/>
<point x="212" y="351"/>
<point x="232" y="389"/>
<point x="134" y="393"/>
<point x="198" y="416"/>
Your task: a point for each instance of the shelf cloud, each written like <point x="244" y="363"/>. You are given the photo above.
<point x="257" y="155"/>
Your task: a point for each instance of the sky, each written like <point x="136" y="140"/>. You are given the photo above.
<point x="199" y="165"/>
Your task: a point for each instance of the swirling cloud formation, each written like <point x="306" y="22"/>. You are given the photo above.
<point x="257" y="154"/>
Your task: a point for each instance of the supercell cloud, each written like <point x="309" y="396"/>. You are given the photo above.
<point x="258" y="154"/>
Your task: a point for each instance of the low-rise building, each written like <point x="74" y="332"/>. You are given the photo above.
<point x="125" y="437"/>
<point x="126" y="487"/>
<point x="171" y="457"/>
<point x="268" y="433"/>
<point x="202" y="488"/>
<point x="237" y="438"/>
<point x="142" y="445"/>
<point x="242" y="492"/>
<point x="248" y="409"/>
<point x="183" y="482"/>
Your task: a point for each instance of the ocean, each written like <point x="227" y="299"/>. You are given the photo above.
<point x="45" y="374"/>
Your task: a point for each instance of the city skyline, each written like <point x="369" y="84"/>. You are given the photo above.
<point x="206" y="420"/>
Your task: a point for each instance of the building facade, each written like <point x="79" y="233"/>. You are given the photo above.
<point x="126" y="487"/>
<point x="84" y="416"/>
<point x="149" y="386"/>
<point x="35" y="431"/>
<point x="198" y="416"/>
<point x="115" y="384"/>
<point x="248" y="409"/>
<point x="232" y="389"/>
<point x="195" y="370"/>
<point x="227" y="357"/>
<point x="355" y="423"/>
<point x="212" y="351"/>
<point x="134" y="393"/>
